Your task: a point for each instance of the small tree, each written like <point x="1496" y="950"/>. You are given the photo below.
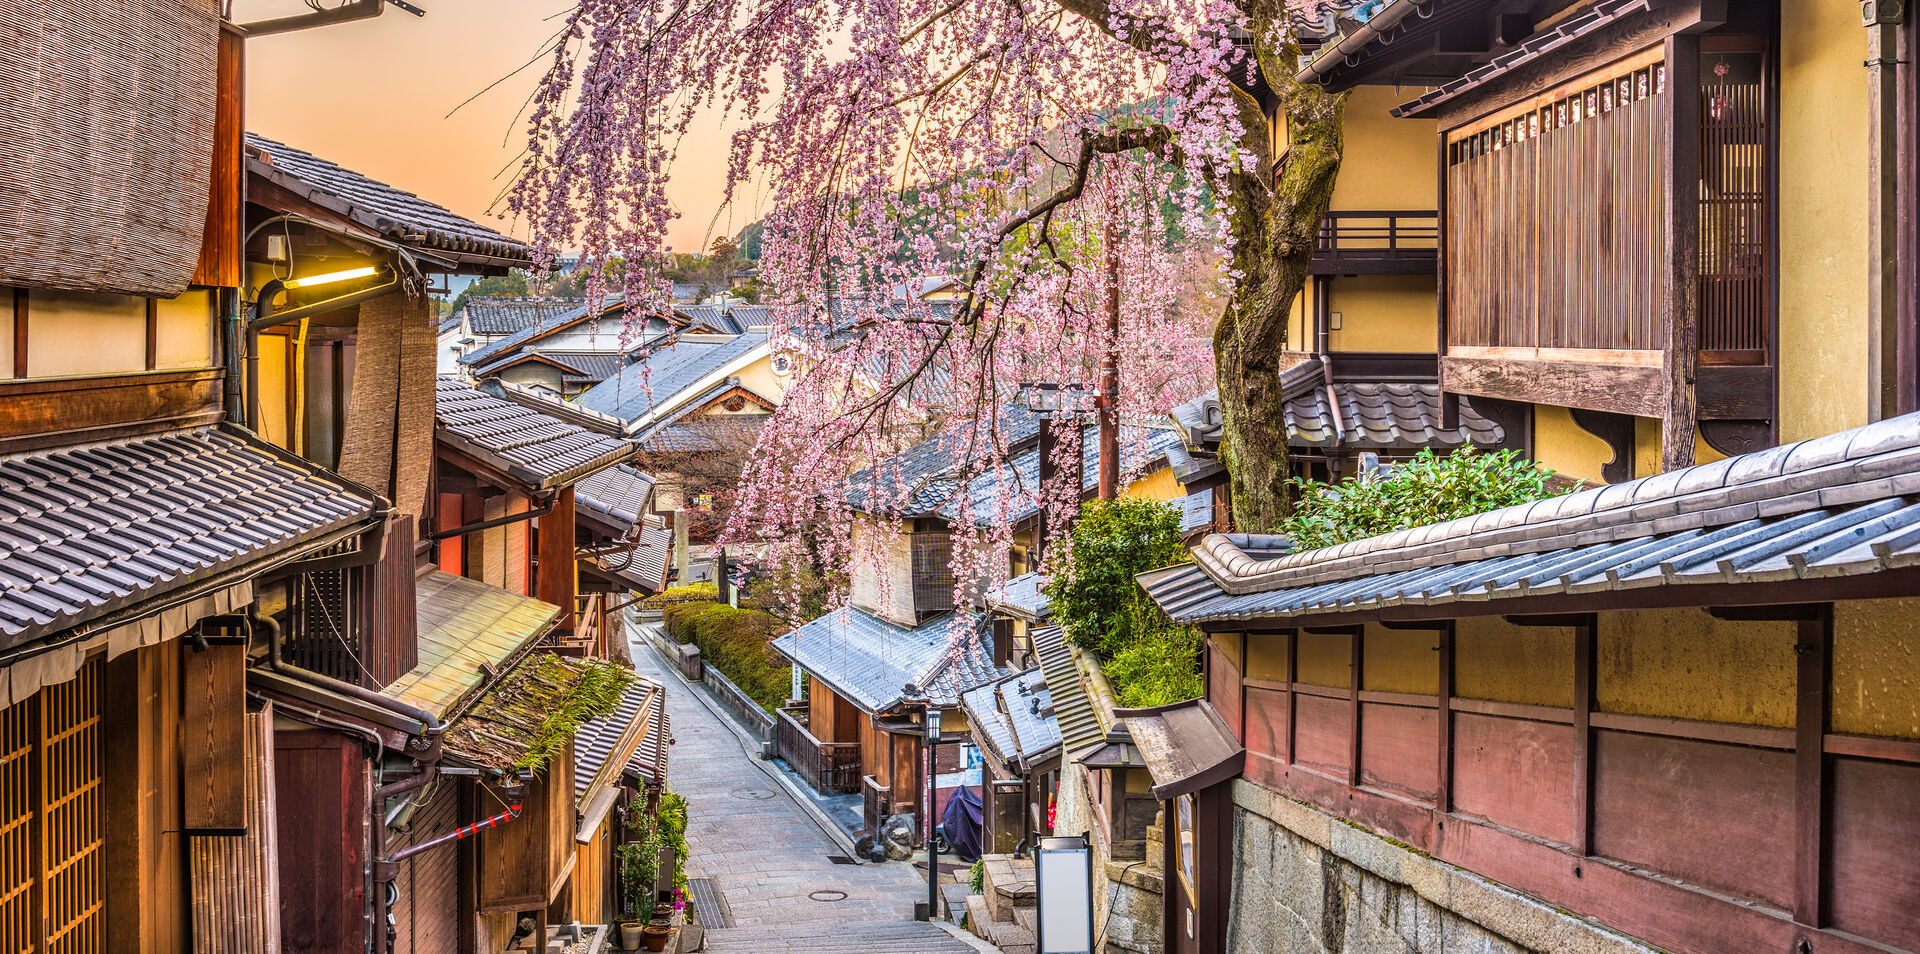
<point x="1425" y="490"/>
<point x="1150" y="660"/>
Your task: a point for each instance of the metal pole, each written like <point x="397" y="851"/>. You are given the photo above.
<point x="1109" y="399"/>
<point x="933" y="845"/>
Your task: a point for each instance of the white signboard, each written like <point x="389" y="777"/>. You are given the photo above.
<point x="1063" y="875"/>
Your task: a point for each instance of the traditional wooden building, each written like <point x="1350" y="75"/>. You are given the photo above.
<point x="1669" y="708"/>
<point x="1651" y="252"/>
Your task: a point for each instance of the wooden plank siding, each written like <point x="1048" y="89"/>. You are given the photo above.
<point x="1696" y="836"/>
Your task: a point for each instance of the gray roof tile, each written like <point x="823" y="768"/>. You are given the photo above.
<point x="529" y="446"/>
<point x="88" y="530"/>
<point x="659" y="376"/>
<point x="871" y="662"/>
<point x="619" y="494"/>
<point x="594" y="742"/>
<point x="1072" y="711"/>
<point x="396" y="215"/>
<point x="1023" y="596"/>
<point x="1844" y="505"/>
<point x="499" y="315"/>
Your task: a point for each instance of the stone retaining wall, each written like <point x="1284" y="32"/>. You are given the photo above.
<point x="1305" y="882"/>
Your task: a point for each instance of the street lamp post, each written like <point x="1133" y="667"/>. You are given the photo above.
<point x="933" y="847"/>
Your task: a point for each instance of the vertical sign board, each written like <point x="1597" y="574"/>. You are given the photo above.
<point x="1063" y="882"/>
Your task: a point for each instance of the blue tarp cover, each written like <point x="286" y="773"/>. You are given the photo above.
<point x="962" y="821"/>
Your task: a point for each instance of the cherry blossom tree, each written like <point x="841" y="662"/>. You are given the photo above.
<point x="1137" y="180"/>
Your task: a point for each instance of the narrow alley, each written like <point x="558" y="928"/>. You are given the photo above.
<point x="770" y="865"/>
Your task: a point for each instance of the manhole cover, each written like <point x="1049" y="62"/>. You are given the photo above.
<point x="752" y="794"/>
<point x="828" y="895"/>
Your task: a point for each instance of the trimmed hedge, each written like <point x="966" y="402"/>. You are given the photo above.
<point x="734" y="641"/>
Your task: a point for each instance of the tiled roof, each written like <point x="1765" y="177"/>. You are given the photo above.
<point x="982" y="704"/>
<point x="529" y="446"/>
<point x="1011" y="486"/>
<point x="871" y="662"/>
<point x="751" y="316"/>
<point x="593" y="366"/>
<point x="1023" y="596"/>
<point x="705" y="435"/>
<point x="510" y="726"/>
<point x="636" y="728"/>
<point x="88" y="530"/>
<point x="393" y="214"/>
<point x="464" y="625"/>
<point x="656" y="379"/>
<point x="545" y="321"/>
<point x="713" y="318"/>
<point x="511" y="316"/>
<point x="914" y="472"/>
<point x="644" y="567"/>
<point x="1185" y="746"/>
<point x="1394" y="416"/>
<point x="1029" y="710"/>
<point x="541" y="401"/>
<point x="1072" y="711"/>
<point x="1573" y="30"/>
<point x="618" y="494"/>
<point x="1844" y="505"/>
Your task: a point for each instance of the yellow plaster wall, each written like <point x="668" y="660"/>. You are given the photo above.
<point x="1267" y="658"/>
<point x="1684" y="664"/>
<point x="1400" y="660"/>
<point x="759" y="378"/>
<point x="1325" y="659"/>
<point x="1703" y="452"/>
<point x="184" y="330"/>
<point x="1384" y="313"/>
<point x="1824" y="253"/>
<point x="6" y="332"/>
<point x="1498" y="661"/>
<point x="1159" y="485"/>
<point x="1876" y="668"/>
<point x="1231" y="645"/>
<point x="76" y="333"/>
<point x="272" y="370"/>
<point x="1561" y="445"/>
<point x="1389" y="163"/>
<point x="1646" y="446"/>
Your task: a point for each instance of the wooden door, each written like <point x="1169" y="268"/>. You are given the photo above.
<point x="52" y="896"/>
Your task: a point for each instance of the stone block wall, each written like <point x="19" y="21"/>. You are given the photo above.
<point x="1309" y="883"/>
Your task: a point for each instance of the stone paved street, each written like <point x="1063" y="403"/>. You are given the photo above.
<point x="766" y="856"/>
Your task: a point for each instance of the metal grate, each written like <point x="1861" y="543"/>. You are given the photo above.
<point x="709" y="905"/>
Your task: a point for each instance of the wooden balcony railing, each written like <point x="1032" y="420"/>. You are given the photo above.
<point x="830" y="767"/>
<point x="876" y="800"/>
<point x="1393" y="242"/>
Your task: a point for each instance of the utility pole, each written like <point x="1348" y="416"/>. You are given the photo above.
<point x="1108" y="400"/>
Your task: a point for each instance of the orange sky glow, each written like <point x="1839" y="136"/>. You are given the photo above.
<point x="375" y="95"/>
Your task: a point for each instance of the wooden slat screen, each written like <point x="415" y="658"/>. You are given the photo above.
<point x="51" y="832"/>
<point x="1735" y="220"/>
<point x="1555" y="231"/>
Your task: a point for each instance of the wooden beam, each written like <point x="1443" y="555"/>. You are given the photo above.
<point x="1681" y="300"/>
<point x="1357" y="640"/>
<point x="1584" y="639"/>
<point x="1622" y="389"/>
<point x="1443" y="794"/>
<point x="1293" y="697"/>
<point x="153" y="334"/>
<point x="1813" y="698"/>
<point x="57" y="411"/>
<point x="19" y="332"/>
<point x="557" y="582"/>
<point x="1786" y="612"/>
<point x="1617" y="431"/>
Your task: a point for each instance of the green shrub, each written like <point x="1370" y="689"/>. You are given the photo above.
<point x="734" y="641"/>
<point x="1149" y="659"/>
<point x="1094" y="596"/>
<point x="691" y="592"/>
<point x="1159" y="666"/>
<point x="1425" y="490"/>
<point x="977" y="877"/>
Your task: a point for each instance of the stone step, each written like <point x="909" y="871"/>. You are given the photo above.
<point x="845" y="937"/>
<point x="1028" y="918"/>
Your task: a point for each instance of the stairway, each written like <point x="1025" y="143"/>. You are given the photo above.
<point x="1003" y="913"/>
<point x="843" y="937"/>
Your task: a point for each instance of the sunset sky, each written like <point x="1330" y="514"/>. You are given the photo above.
<point x="374" y="96"/>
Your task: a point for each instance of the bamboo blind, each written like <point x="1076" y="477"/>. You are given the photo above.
<point x="51" y="833"/>
<point x="108" y="132"/>
<point x="1556" y="231"/>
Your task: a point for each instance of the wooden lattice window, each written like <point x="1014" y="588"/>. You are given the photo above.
<point x="51" y="834"/>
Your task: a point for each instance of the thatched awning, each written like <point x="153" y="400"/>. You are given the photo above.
<point x="533" y="710"/>
<point x="108" y="139"/>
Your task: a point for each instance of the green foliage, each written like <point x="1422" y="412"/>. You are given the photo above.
<point x="734" y="641"/>
<point x="1148" y="659"/>
<point x="1159" y="665"/>
<point x="513" y="283"/>
<point x="595" y="695"/>
<point x="639" y="857"/>
<point x="1425" y="490"/>
<point x="977" y="877"/>
<point x="1114" y="539"/>
<point x="708" y="591"/>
